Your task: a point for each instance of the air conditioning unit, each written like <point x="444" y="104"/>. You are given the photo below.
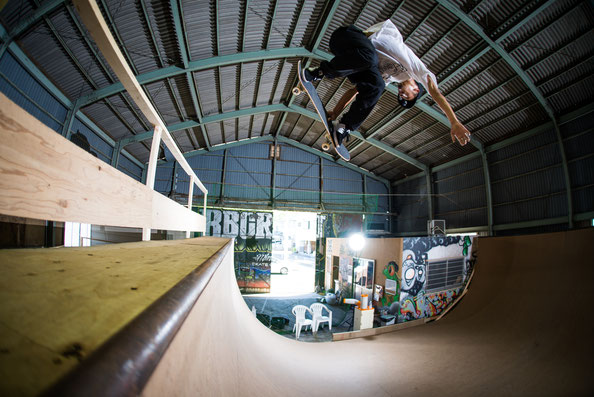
<point x="436" y="227"/>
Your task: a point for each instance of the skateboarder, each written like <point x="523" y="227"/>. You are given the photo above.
<point x="371" y="60"/>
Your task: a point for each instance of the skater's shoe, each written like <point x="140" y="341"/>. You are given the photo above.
<point x="339" y="133"/>
<point x="313" y="74"/>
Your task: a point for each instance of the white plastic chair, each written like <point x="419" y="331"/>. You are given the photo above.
<point x="318" y="315"/>
<point x="300" y="320"/>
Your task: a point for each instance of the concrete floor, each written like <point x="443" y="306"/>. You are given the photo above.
<point x="281" y="306"/>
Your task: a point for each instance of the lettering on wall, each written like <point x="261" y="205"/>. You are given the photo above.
<point x="252" y="232"/>
<point x="229" y="223"/>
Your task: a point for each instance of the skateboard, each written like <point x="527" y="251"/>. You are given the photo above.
<point x="309" y="88"/>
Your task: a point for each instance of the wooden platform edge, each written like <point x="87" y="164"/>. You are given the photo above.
<point x="378" y="331"/>
<point x="123" y="365"/>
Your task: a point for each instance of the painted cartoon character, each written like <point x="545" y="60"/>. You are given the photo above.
<point x="413" y="274"/>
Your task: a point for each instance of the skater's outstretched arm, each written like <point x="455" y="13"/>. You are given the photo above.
<point x="458" y="131"/>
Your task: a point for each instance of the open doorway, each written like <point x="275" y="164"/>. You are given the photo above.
<point x="293" y="253"/>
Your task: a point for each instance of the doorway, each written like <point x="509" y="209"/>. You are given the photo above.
<point x="293" y="253"/>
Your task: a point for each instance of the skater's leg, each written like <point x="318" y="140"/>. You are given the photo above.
<point x="370" y="86"/>
<point x="353" y="52"/>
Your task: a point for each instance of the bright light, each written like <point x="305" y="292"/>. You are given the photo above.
<point x="356" y="241"/>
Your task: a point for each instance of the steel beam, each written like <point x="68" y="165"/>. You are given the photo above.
<point x="531" y="86"/>
<point x="194" y="66"/>
<point x="316" y="44"/>
<point x="27" y="23"/>
<point x="329" y="157"/>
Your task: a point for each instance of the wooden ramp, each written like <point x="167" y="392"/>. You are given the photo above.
<point x="523" y="328"/>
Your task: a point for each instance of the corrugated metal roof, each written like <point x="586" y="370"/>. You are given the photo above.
<point x="554" y="47"/>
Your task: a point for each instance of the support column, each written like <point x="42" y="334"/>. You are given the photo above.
<point x="487" y="179"/>
<point x="390" y="207"/>
<point x="67" y="127"/>
<point x="273" y="189"/>
<point x="222" y="195"/>
<point x="190" y="196"/>
<point x="429" y="193"/>
<point x="321" y="183"/>
<point x="152" y="170"/>
<point x="364" y="192"/>
<point x="115" y="157"/>
<point x="565" y="173"/>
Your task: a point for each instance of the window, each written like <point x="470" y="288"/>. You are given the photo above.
<point x="275" y="150"/>
<point x="445" y="274"/>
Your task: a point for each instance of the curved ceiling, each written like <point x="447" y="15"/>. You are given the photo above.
<point x="222" y="71"/>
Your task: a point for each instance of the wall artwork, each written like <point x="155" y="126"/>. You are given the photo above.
<point x="392" y="284"/>
<point x="253" y="245"/>
<point x="415" y="301"/>
<point x="340" y="225"/>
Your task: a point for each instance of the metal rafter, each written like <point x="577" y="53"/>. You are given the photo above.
<point x="26" y="23"/>
<point x="59" y="95"/>
<point x="317" y="43"/>
<point x="531" y="86"/>
<point x="344" y="79"/>
<point x="162" y="64"/>
<point x="110" y="21"/>
<point x="105" y="71"/>
<point x="481" y="53"/>
<point x="194" y="66"/>
<point x="259" y="80"/>
<point x="87" y="77"/>
<point x="441" y="118"/>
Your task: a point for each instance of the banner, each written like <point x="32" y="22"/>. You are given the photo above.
<point x="253" y="245"/>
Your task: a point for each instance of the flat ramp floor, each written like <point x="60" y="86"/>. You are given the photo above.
<point x="524" y="328"/>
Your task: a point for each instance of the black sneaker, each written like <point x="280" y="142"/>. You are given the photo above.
<point x="339" y="134"/>
<point x="313" y="74"/>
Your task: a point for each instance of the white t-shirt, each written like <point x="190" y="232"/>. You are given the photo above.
<point x="397" y="62"/>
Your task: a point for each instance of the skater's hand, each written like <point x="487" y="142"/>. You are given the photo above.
<point x="460" y="133"/>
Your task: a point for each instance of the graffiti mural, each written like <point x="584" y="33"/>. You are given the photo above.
<point x="320" y="263"/>
<point x="253" y="245"/>
<point x="340" y="225"/>
<point x="437" y="302"/>
<point x="417" y="252"/>
<point x="252" y="264"/>
<point x="391" y="273"/>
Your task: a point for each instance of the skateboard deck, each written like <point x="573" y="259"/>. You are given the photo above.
<point x="309" y="88"/>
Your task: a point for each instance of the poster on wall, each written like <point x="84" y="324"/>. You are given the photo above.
<point x="345" y="277"/>
<point x="253" y="245"/>
<point x="441" y="263"/>
<point x="340" y="225"/>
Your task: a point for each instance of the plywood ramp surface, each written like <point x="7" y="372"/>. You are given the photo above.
<point x="523" y="328"/>
<point x="59" y="305"/>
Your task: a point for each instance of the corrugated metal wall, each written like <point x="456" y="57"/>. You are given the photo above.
<point x="527" y="180"/>
<point x="297" y="178"/>
<point x="410" y="206"/>
<point x="578" y="140"/>
<point x="248" y="181"/>
<point x="377" y="200"/>
<point x="528" y="185"/>
<point x="103" y="149"/>
<point x="459" y="195"/>
<point x="18" y="84"/>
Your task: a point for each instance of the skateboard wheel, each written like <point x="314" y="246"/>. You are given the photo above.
<point x="296" y="91"/>
<point x="325" y="146"/>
